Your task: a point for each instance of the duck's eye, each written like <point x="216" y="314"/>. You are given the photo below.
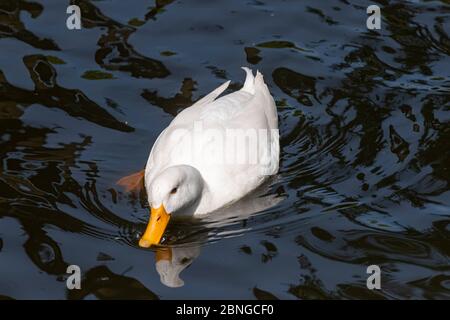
<point x="173" y="191"/>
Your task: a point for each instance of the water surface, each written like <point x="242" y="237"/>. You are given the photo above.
<point x="365" y="148"/>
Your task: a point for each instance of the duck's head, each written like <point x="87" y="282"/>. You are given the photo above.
<point x="175" y="191"/>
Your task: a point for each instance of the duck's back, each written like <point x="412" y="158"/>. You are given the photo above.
<point x="232" y="141"/>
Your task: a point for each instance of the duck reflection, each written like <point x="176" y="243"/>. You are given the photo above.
<point x="170" y="262"/>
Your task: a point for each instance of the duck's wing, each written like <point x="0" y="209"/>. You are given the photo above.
<point x="166" y="142"/>
<point x="250" y="109"/>
<point x="210" y="97"/>
<point x="193" y="112"/>
<point x="260" y="112"/>
<point x="261" y="99"/>
<point x="265" y="99"/>
<point x="250" y="105"/>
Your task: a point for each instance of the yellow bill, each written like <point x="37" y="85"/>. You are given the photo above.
<point x="159" y="220"/>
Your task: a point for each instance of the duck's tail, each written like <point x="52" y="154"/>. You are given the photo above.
<point x="249" y="84"/>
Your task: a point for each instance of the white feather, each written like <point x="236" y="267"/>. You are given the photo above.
<point x="251" y="108"/>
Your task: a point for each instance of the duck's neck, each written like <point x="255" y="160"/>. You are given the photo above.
<point x="206" y="201"/>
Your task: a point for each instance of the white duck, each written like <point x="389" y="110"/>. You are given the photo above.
<point x="211" y="155"/>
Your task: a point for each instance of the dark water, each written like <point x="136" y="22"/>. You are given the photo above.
<point x="365" y="161"/>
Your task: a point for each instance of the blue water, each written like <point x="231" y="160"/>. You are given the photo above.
<point x="364" y="123"/>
